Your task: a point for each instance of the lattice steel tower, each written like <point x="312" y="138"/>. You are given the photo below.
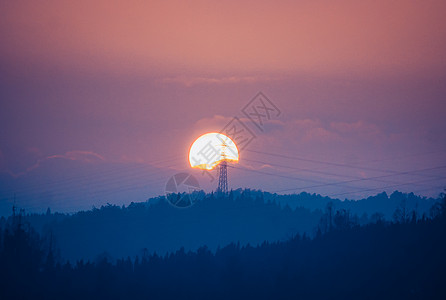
<point x="223" y="172"/>
<point x="223" y="178"/>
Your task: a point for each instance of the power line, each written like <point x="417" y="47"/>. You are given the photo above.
<point x="96" y="193"/>
<point x="326" y="163"/>
<point x="310" y="170"/>
<point x="62" y="191"/>
<point x="118" y="175"/>
<point x="367" y="178"/>
<point x="385" y="187"/>
<point x="282" y="176"/>
<point x="320" y="184"/>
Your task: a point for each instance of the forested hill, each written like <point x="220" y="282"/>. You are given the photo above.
<point x="382" y="260"/>
<point x="381" y="203"/>
<point x="245" y="216"/>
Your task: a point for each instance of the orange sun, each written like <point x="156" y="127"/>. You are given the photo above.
<point x="210" y="149"/>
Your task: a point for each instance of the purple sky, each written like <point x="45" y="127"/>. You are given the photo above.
<point x="94" y="87"/>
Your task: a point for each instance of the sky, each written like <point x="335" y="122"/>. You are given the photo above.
<point x="113" y="93"/>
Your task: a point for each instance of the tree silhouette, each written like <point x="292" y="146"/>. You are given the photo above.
<point x="380" y="260"/>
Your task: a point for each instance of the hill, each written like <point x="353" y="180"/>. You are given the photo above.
<point x="246" y="216"/>
<point x="380" y="260"/>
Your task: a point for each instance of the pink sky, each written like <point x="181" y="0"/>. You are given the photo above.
<point x="359" y="83"/>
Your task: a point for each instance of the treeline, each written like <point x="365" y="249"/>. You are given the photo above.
<point x="247" y="216"/>
<point x="158" y="226"/>
<point x="400" y="259"/>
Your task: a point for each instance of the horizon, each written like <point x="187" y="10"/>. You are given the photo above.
<point x="277" y="198"/>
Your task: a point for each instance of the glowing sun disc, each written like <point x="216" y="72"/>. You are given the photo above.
<point x="210" y="149"/>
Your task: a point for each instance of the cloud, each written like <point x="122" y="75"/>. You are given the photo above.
<point x="319" y="134"/>
<point x="217" y="121"/>
<point x="75" y="155"/>
<point x="196" y="80"/>
<point x="35" y="151"/>
<point x="255" y="166"/>
<point x="316" y="130"/>
<point x="273" y="125"/>
<point x="359" y="127"/>
<point x="85" y="156"/>
<point x="337" y="141"/>
<point x="311" y="130"/>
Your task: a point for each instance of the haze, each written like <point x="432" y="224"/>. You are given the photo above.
<point x="100" y="85"/>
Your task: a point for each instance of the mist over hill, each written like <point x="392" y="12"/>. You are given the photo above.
<point x="71" y="184"/>
<point x="245" y="216"/>
<point x="398" y="259"/>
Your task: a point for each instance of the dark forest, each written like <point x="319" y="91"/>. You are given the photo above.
<point x="386" y="259"/>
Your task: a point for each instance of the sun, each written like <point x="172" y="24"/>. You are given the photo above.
<point x="210" y="149"/>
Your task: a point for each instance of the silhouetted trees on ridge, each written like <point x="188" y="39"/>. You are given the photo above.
<point x="248" y="216"/>
<point x="403" y="258"/>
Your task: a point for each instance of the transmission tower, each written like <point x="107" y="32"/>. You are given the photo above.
<point x="223" y="172"/>
<point x="223" y="178"/>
